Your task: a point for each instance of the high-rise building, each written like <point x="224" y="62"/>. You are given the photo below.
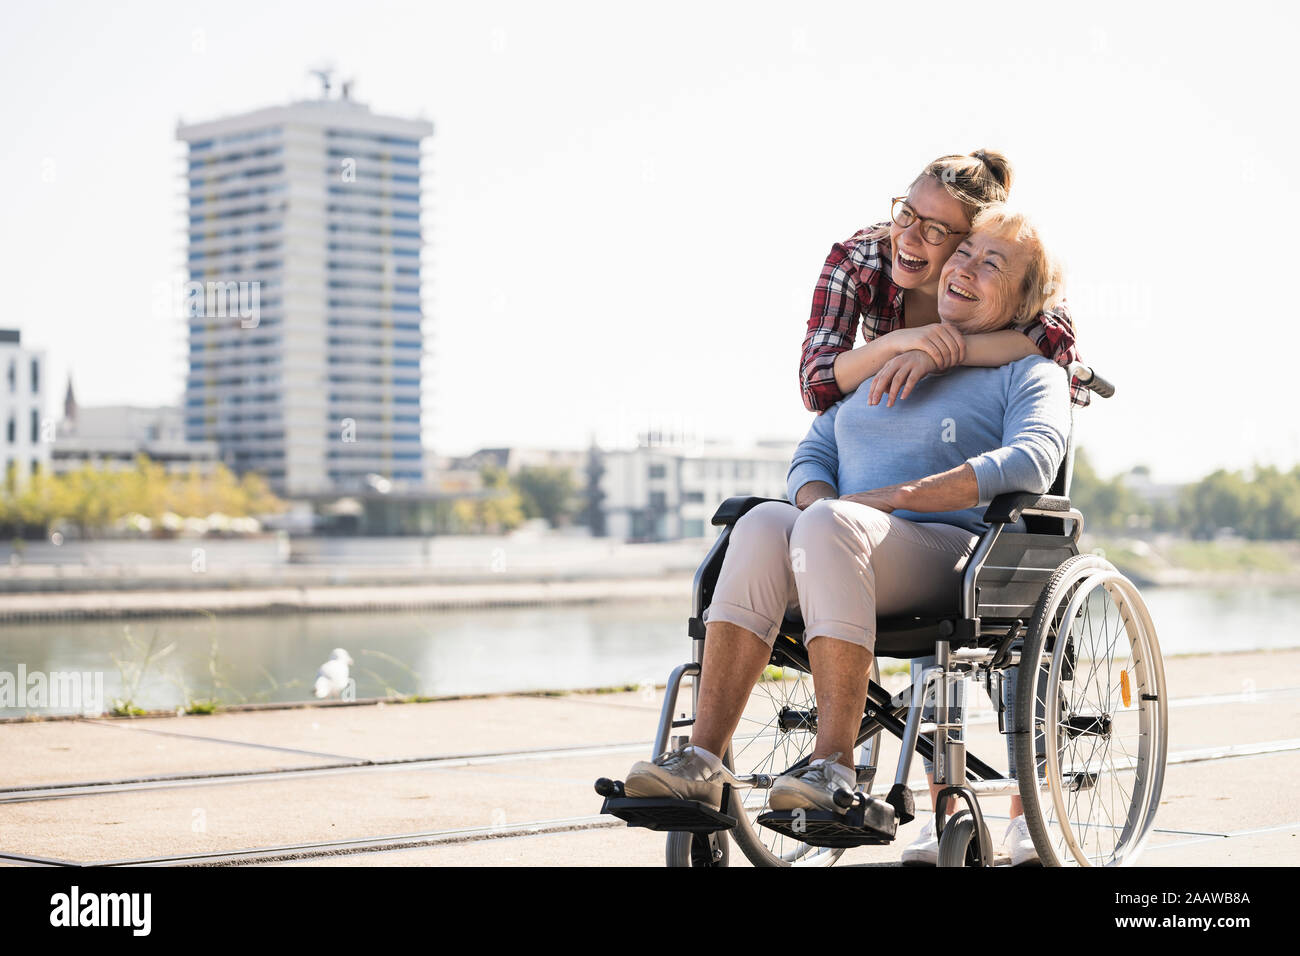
<point x="22" y="402"/>
<point x="303" y="303"/>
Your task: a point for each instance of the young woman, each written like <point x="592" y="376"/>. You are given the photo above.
<point x="887" y="277"/>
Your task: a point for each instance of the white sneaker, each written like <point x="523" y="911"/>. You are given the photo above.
<point x="1020" y="843"/>
<point x="924" y="850"/>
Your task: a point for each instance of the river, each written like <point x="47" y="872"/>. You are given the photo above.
<point x="274" y="658"/>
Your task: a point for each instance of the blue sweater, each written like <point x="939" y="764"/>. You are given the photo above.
<point x="1009" y="424"/>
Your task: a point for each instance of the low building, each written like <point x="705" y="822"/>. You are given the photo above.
<point x="111" y="436"/>
<point x="512" y="459"/>
<point x="662" y="492"/>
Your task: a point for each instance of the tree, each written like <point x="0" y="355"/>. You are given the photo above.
<point x="546" y="492"/>
<point x="1104" y="504"/>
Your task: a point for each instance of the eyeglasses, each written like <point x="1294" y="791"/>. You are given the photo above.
<point x="933" y="232"/>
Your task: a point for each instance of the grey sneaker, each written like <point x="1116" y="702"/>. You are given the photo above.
<point x="809" y="788"/>
<point x="682" y="774"/>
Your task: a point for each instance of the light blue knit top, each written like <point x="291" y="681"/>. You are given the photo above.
<point x="1009" y="423"/>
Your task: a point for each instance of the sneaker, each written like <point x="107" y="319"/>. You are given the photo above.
<point x="1020" y="843"/>
<point x="683" y="774"/>
<point x="924" y="850"/>
<point x="810" y="787"/>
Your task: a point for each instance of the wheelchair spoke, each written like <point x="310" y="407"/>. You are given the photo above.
<point x="768" y="742"/>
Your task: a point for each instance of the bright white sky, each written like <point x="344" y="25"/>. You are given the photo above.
<point x="628" y="205"/>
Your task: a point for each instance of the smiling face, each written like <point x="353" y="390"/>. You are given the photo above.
<point x="982" y="283"/>
<point x="916" y="263"/>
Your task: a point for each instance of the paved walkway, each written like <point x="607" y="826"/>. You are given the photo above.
<point x="507" y="780"/>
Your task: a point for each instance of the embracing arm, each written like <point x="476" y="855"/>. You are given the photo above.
<point x="1050" y="334"/>
<point x="832" y="328"/>
<point x="992" y="349"/>
<point x="941" y="342"/>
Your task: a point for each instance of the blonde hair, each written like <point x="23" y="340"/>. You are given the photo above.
<point x="1044" y="283"/>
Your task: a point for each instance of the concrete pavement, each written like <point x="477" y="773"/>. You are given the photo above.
<point x="468" y="780"/>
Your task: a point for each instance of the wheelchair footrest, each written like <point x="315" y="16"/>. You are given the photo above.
<point x="869" y="822"/>
<point x="665" y="813"/>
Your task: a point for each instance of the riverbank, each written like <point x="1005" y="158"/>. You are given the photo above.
<point x="339" y="598"/>
<point x="181" y="578"/>
<point x="1171" y="561"/>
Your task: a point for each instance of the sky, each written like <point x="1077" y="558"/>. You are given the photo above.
<point x="627" y="207"/>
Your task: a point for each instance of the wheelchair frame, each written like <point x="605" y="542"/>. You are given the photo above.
<point x="999" y="596"/>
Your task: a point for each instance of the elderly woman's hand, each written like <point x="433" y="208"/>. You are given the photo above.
<point x="882" y="499"/>
<point x="899" y="376"/>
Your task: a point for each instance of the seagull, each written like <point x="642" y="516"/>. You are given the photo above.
<point x="332" y="677"/>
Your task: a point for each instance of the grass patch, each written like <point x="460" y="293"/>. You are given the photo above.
<point x="1230" y="556"/>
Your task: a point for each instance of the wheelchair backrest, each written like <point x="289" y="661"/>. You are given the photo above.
<point x="1016" y="571"/>
<point x="1064" y="474"/>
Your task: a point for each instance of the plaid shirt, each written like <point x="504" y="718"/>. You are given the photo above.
<point x="856" y="280"/>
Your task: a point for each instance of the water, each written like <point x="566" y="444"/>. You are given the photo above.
<point x="274" y="658"/>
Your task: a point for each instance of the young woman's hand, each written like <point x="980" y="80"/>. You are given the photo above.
<point x="939" y="340"/>
<point x="899" y="376"/>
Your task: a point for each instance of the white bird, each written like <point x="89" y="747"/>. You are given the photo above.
<point x="332" y="677"/>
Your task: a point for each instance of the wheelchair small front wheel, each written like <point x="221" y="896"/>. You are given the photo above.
<point x="959" y="843"/>
<point x="1091" y="718"/>
<point x="698" y="849"/>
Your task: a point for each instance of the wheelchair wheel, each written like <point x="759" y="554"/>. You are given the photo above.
<point x="959" y="843"/>
<point x="697" y="849"/>
<point x="1094" y="722"/>
<point x="777" y="731"/>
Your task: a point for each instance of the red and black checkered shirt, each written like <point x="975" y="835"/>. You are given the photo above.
<point x="856" y="281"/>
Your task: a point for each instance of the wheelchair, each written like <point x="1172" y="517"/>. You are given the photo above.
<point x="1090" y="713"/>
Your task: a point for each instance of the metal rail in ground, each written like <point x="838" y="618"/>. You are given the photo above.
<point x="431" y="838"/>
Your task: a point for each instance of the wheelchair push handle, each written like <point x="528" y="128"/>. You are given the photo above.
<point x="1088" y="378"/>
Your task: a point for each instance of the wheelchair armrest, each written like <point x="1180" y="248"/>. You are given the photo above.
<point x="1006" y="509"/>
<point x="731" y="510"/>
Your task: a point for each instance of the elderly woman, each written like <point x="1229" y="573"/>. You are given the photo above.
<point x="887" y="505"/>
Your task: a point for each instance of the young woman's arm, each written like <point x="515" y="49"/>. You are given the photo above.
<point x="992" y="349"/>
<point x="832" y="327"/>
<point x="1050" y="334"/>
<point x="942" y="343"/>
